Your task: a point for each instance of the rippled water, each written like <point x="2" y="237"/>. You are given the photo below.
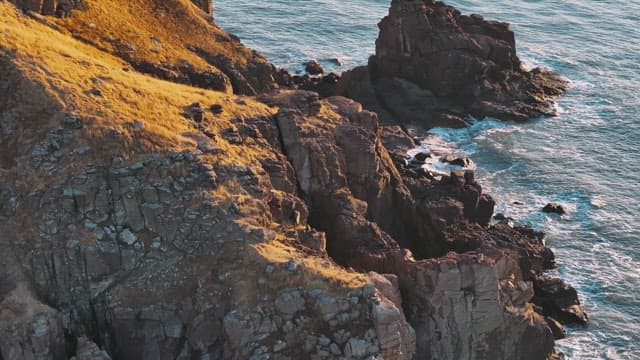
<point x="586" y="158"/>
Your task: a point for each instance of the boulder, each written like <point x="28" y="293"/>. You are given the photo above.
<point x="559" y="300"/>
<point x="313" y="68"/>
<point x="554" y="208"/>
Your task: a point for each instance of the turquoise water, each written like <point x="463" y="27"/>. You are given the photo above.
<point x="586" y="158"/>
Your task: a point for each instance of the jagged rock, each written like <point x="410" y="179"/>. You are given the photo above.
<point x="205" y="5"/>
<point x="559" y="300"/>
<point x="554" y="208"/>
<point x="29" y="329"/>
<point x="467" y="60"/>
<point x="452" y="304"/>
<point x="435" y="67"/>
<point x="313" y="67"/>
<point x="88" y="350"/>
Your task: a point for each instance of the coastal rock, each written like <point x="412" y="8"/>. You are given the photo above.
<point x="464" y="305"/>
<point x="454" y="217"/>
<point x="467" y="60"/>
<point x="559" y="300"/>
<point x="29" y="329"/>
<point x="313" y="67"/>
<point x="434" y="66"/>
<point x="251" y="236"/>
<point x="554" y="209"/>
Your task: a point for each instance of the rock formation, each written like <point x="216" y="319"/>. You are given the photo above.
<point x="205" y="5"/>
<point x="434" y="67"/>
<point x="60" y="8"/>
<point x="144" y="219"/>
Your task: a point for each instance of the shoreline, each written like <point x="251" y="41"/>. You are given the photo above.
<point x="243" y="215"/>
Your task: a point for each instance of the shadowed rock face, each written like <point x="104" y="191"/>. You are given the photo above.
<point x="60" y="8"/>
<point x="378" y="214"/>
<point x="205" y="5"/>
<point x="434" y="67"/>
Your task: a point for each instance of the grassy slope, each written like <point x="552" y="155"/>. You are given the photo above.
<point x="52" y="72"/>
<point x="159" y="30"/>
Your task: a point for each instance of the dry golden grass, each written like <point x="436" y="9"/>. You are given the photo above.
<point x="159" y="30"/>
<point x="55" y="73"/>
<point x="67" y="69"/>
<point x="316" y="272"/>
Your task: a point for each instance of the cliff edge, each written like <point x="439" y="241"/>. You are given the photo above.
<point x="147" y="213"/>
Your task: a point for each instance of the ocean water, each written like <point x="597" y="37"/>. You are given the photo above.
<point x="587" y="158"/>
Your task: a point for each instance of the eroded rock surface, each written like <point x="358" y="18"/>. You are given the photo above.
<point x="372" y="204"/>
<point x="60" y="8"/>
<point x="434" y="66"/>
<point x="295" y="229"/>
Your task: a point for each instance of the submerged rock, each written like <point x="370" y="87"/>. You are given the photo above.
<point x="313" y="67"/>
<point x="554" y="209"/>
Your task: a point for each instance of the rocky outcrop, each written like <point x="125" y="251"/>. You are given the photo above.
<point x="378" y="213"/>
<point x="30" y="329"/>
<point x="559" y="301"/>
<point x="205" y="5"/>
<point x="217" y="226"/>
<point x="470" y="306"/>
<point x="60" y="8"/>
<point x="435" y="67"/>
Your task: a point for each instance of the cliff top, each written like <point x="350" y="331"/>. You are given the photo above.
<point x="50" y="77"/>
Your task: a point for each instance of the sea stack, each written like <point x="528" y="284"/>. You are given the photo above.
<point x="434" y="66"/>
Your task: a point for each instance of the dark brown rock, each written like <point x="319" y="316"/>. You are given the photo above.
<point x="313" y="67"/>
<point x="554" y="209"/>
<point x="556" y="328"/>
<point x="434" y="67"/>
<point x="216" y="109"/>
<point x="205" y="5"/>
<point x="195" y="112"/>
<point x="466" y="60"/>
<point x="559" y="300"/>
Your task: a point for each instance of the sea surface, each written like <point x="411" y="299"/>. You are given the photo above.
<point x="587" y="158"/>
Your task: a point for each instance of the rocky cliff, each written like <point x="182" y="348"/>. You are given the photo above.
<point x="150" y="210"/>
<point x="434" y="66"/>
